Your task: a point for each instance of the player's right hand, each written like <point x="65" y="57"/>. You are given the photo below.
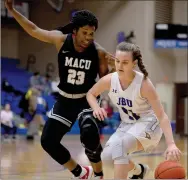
<point x="9" y="4"/>
<point x="100" y="114"/>
<point x="172" y="153"/>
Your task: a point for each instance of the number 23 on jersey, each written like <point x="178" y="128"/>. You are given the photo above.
<point x="75" y="77"/>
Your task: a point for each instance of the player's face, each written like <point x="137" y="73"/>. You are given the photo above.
<point x="84" y="36"/>
<point x="124" y="62"/>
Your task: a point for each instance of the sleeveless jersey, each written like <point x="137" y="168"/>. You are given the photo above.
<point x="77" y="70"/>
<point x="129" y="102"/>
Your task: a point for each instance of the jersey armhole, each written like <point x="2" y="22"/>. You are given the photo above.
<point x="112" y="82"/>
<point x="62" y="45"/>
<point x="140" y="96"/>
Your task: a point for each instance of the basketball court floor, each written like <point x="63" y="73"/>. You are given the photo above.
<point x="23" y="160"/>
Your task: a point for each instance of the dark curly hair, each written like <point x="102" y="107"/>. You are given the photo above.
<point x="80" y="19"/>
<point x="129" y="47"/>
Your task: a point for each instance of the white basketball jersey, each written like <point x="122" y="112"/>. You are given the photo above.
<point x="129" y="102"/>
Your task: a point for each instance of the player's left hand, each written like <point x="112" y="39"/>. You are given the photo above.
<point x="100" y="114"/>
<point x="172" y="153"/>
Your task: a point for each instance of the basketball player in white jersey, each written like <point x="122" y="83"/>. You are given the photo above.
<point x="142" y="115"/>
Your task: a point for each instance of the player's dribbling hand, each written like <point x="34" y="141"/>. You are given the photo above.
<point x="9" y="4"/>
<point x="100" y="113"/>
<point x="172" y="153"/>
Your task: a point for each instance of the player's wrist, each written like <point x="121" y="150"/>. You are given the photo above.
<point x="96" y="107"/>
<point x="170" y="143"/>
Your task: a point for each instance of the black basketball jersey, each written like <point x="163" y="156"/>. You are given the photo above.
<point x="77" y="70"/>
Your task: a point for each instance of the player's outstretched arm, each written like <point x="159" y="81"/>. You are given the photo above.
<point x="105" y="58"/>
<point x="32" y="29"/>
<point x="148" y="91"/>
<point x="102" y="85"/>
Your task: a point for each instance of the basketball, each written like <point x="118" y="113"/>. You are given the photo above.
<point x="170" y="170"/>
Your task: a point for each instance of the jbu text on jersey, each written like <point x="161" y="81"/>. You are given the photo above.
<point x="124" y="102"/>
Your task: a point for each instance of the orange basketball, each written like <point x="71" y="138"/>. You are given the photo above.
<point x="170" y="170"/>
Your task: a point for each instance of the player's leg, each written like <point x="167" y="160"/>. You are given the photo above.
<point x="148" y="133"/>
<point x="90" y="139"/>
<point x="124" y="165"/>
<point x="118" y="148"/>
<point x="128" y="139"/>
<point x="52" y="134"/>
<point x="55" y="128"/>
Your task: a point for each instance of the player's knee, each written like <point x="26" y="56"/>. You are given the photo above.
<point x="94" y="156"/>
<point x="46" y="143"/>
<point x="90" y="137"/>
<point x="55" y="150"/>
<point x="106" y="154"/>
<point x="119" y="149"/>
<point x="89" y="133"/>
<point x="49" y="140"/>
<point x="129" y="145"/>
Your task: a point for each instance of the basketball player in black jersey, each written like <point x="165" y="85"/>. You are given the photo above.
<point x="80" y="60"/>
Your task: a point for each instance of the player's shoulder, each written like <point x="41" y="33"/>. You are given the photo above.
<point x="58" y="34"/>
<point x="147" y="86"/>
<point x="105" y="81"/>
<point x="107" y="78"/>
<point x="62" y="38"/>
<point x="146" y="82"/>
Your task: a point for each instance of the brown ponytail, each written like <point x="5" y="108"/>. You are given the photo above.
<point x="129" y="47"/>
<point x="142" y="67"/>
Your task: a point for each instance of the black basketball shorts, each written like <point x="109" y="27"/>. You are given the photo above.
<point x="68" y="110"/>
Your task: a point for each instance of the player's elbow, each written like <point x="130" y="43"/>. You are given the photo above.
<point x="40" y="34"/>
<point x="90" y="95"/>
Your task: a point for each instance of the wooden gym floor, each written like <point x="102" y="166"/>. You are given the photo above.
<point x="23" y="160"/>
